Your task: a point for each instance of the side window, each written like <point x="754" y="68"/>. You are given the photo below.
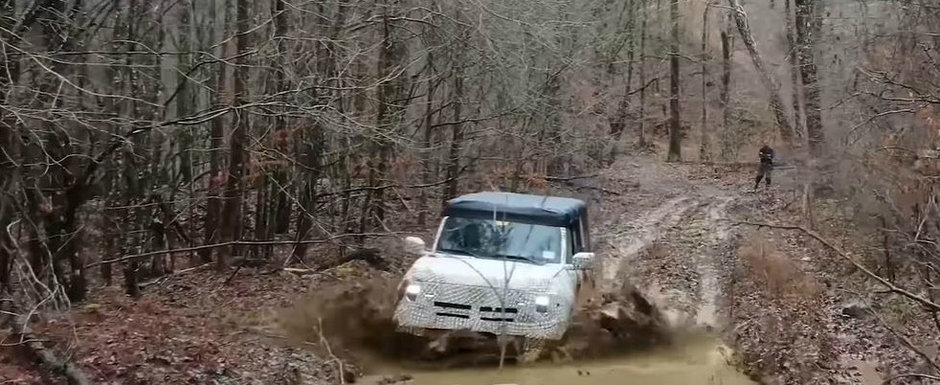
<point x="577" y="236"/>
<point x="585" y="232"/>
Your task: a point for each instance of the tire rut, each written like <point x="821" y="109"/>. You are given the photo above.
<point x="687" y="281"/>
<point x="707" y="266"/>
<point x="639" y="234"/>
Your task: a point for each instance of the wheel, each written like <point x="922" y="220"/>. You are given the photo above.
<point x="532" y="351"/>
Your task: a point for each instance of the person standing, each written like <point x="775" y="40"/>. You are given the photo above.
<point x="766" y="155"/>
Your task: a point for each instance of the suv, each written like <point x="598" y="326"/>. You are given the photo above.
<point x="502" y="264"/>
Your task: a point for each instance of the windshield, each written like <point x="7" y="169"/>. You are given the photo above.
<point x="486" y="238"/>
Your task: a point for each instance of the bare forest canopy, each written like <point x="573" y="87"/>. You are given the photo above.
<point x="229" y="130"/>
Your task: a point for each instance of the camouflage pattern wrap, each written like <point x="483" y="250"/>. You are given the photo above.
<point x="449" y="306"/>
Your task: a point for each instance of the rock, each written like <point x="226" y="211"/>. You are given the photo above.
<point x="856" y="309"/>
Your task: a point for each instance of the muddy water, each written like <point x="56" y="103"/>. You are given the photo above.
<point x="693" y="361"/>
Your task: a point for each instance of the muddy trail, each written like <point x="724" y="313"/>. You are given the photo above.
<point x="663" y="240"/>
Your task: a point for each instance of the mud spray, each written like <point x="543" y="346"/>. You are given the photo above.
<point x="619" y="336"/>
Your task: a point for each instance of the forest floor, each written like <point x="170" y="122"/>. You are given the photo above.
<point x="675" y="231"/>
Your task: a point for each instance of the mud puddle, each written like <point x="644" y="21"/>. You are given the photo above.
<point x="697" y="360"/>
<point x="617" y="337"/>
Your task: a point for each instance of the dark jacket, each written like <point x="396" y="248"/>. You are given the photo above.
<point x="766" y="155"/>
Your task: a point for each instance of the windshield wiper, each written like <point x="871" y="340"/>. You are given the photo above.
<point x="494" y="256"/>
<point x="456" y="251"/>
<point x="534" y="261"/>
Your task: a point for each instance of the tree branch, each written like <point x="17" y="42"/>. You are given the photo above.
<point x="910" y="375"/>
<point x="891" y="287"/>
<point x="232" y="243"/>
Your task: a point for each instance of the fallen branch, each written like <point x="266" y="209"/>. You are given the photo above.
<point x="569" y="183"/>
<point x="568" y="178"/>
<point x="907" y="343"/>
<point x="234" y="273"/>
<point x="329" y="350"/>
<point x="49" y="360"/>
<point x="910" y="375"/>
<point x="891" y="287"/>
<point x="194" y="268"/>
<point x="233" y="243"/>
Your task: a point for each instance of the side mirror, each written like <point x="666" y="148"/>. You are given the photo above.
<point x="415" y="245"/>
<point x="583" y="261"/>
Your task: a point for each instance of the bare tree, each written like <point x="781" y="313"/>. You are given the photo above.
<point x="457" y="134"/>
<point x="705" y="145"/>
<point x="675" y="131"/>
<point x="770" y="83"/>
<point x="619" y="122"/>
<point x="231" y="216"/>
<point x="807" y="30"/>
<point x="793" y="59"/>
<point x="217" y="132"/>
<point x="641" y="140"/>
<point x="727" y="47"/>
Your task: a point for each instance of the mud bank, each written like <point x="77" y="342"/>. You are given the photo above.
<point x="355" y="318"/>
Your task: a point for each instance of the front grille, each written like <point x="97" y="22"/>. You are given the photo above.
<point x="444" y="306"/>
<point x="451" y="305"/>
<point x="488" y="309"/>
<point x="484" y="310"/>
<point x="442" y="314"/>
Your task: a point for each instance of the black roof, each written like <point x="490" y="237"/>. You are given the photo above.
<point x="538" y="209"/>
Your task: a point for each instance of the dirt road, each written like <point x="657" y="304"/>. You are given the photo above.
<point x="672" y="236"/>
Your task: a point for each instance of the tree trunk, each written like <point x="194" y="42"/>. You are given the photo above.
<point x="313" y="147"/>
<point x="386" y="93"/>
<point x="262" y="213"/>
<point x="216" y="138"/>
<point x="808" y="220"/>
<point x="641" y="142"/>
<point x="8" y="186"/>
<point x="232" y="207"/>
<point x="158" y="266"/>
<point x="282" y="210"/>
<point x="62" y="227"/>
<point x="807" y="30"/>
<point x="727" y="43"/>
<point x="704" y="146"/>
<point x="619" y="122"/>
<point x="770" y="83"/>
<point x="675" y="134"/>
<point x="426" y="141"/>
<point x="456" y="140"/>
<point x="793" y="59"/>
<point x="8" y="142"/>
<point x="808" y="27"/>
<point x="131" y="271"/>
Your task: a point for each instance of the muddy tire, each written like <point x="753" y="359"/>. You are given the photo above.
<point x="532" y="351"/>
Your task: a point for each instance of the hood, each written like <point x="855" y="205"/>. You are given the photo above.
<point x="446" y="268"/>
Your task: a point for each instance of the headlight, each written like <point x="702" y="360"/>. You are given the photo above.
<point x="412" y="291"/>
<point x="541" y="304"/>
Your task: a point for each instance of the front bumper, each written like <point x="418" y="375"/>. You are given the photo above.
<point x="445" y="306"/>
